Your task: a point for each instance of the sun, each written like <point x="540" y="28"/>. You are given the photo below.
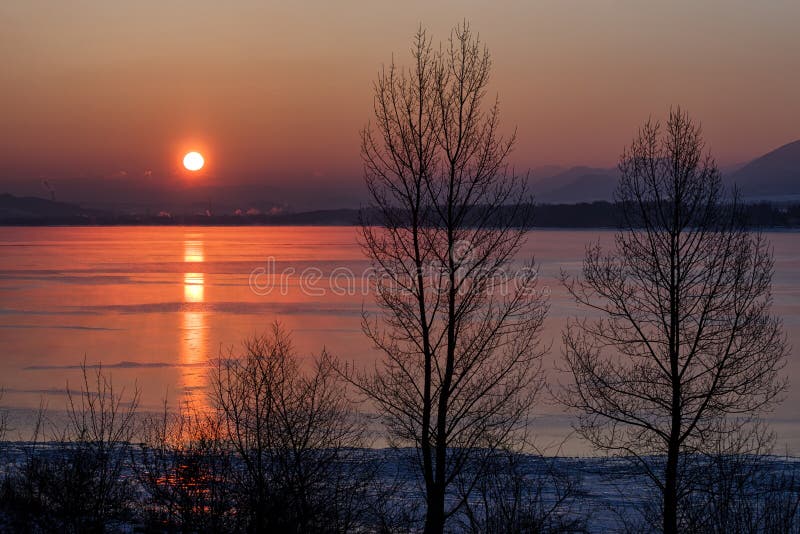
<point x="193" y="161"/>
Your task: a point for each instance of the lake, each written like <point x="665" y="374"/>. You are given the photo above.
<point x="153" y="304"/>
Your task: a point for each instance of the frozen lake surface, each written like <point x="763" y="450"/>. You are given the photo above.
<point x="153" y="304"/>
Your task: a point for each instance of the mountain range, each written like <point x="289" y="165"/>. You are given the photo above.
<point x="775" y="176"/>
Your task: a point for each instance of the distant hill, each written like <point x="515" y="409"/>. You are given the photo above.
<point x="545" y="171"/>
<point x="771" y="176"/>
<point x="22" y="208"/>
<point x="578" y="184"/>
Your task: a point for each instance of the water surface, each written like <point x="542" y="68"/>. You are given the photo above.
<point x="153" y="304"/>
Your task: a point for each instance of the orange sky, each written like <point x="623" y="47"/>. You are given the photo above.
<point x="275" y="92"/>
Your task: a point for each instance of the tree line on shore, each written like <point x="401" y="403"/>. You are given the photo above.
<point x="596" y="214"/>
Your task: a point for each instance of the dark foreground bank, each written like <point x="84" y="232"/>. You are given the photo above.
<point x="88" y="487"/>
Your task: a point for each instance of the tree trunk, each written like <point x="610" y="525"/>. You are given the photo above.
<point x="671" y="493"/>
<point x="434" y="516"/>
<point x="671" y="490"/>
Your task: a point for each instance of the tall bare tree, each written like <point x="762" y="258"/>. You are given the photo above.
<point x="683" y="350"/>
<point x="459" y="335"/>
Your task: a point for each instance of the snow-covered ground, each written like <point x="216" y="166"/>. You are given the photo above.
<point x="600" y="491"/>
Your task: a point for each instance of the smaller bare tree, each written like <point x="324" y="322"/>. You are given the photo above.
<point x="524" y="493"/>
<point x="741" y="487"/>
<point x="77" y="481"/>
<point x="295" y="436"/>
<point x="184" y="467"/>
<point x="682" y="344"/>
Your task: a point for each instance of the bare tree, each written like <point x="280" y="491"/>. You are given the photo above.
<point x="683" y="341"/>
<point x="458" y="333"/>
<point x="525" y="493"/>
<point x="185" y="468"/>
<point x="742" y="487"/>
<point x="77" y="481"/>
<point x="295" y="436"/>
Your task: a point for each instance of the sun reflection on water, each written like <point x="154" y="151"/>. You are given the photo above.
<point x="193" y="251"/>
<point x="193" y="287"/>
<point x="194" y="340"/>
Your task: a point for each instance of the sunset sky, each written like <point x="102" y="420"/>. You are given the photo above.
<point x="113" y="94"/>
